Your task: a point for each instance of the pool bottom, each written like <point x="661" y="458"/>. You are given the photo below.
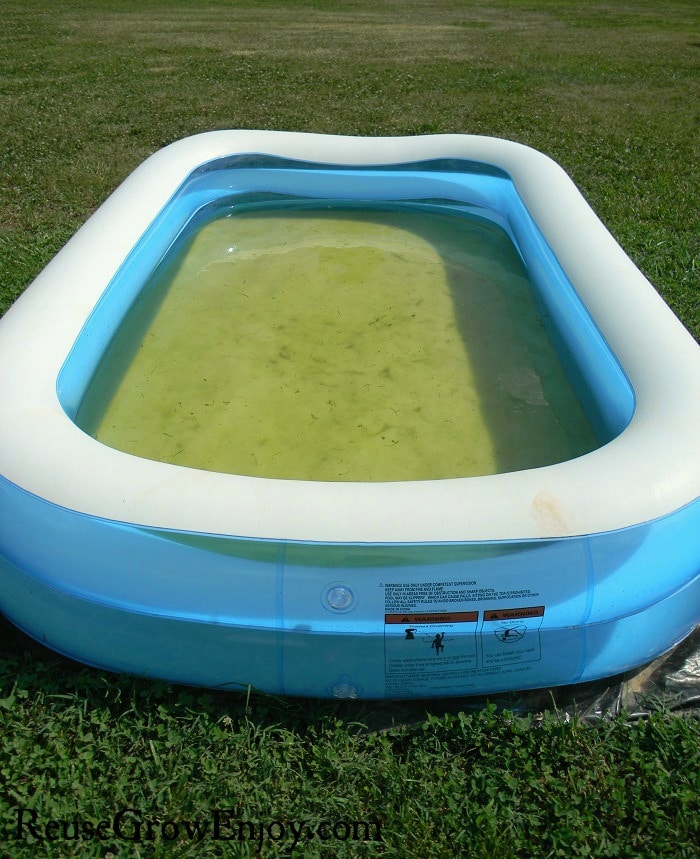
<point x="338" y="343"/>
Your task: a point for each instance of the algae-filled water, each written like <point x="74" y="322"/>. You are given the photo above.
<point x="338" y="344"/>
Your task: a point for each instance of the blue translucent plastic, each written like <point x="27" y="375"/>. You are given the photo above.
<point x="229" y="612"/>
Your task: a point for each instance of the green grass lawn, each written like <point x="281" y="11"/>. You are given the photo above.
<point x="88" y="89"/>
<point x="437" y="780"/>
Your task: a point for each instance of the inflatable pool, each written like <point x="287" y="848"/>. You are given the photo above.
<point x="351" y="417"/>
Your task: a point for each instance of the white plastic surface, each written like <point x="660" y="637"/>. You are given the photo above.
<point x="650" y="470"/>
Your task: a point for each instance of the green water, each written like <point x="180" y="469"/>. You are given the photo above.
<point x="336" y="344"/>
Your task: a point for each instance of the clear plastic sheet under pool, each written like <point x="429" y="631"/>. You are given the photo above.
<point x="670" y="683"/>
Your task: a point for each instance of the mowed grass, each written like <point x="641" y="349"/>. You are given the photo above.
<point x="440" y="781"/>
<point x="87" y="91"/>
<point x="610" y="90"/>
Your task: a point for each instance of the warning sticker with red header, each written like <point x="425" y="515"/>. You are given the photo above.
<point x="511" y="636"/>
<point x="514" y="613"/>
<point x="431" y="648"/>
<point x="434" y="617"/>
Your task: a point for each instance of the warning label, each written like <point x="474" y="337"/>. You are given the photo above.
<point x="434" y="617"/>
<point x="514" y="613"/>
<point x="399" y="597"/>
<point x="429" y="647"/>
<point x="510" y="636"/>
<point x="429" y="650"/>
